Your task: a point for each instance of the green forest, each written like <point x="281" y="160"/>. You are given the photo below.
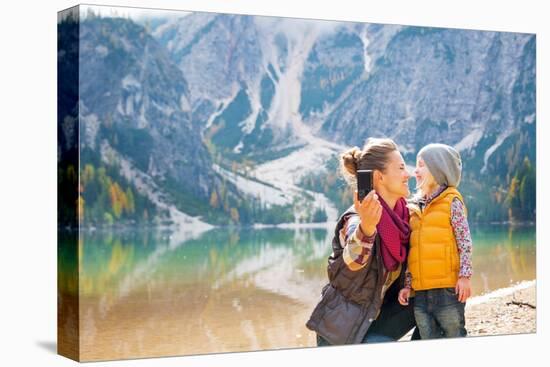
<point x="105" y="197"/>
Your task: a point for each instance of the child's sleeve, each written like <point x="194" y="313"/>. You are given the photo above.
<point x="408" y="279"/>
<point x="356" y="245"/>
<point x="461" y="230"/>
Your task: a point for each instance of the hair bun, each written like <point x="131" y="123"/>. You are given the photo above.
<point x="350" y="159"/>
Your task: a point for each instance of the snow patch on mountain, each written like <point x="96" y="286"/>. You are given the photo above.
<point x="286" y="172"/>
<point x="366" y="58"/>
<point x="301" y="35"/>
<point x="184" y="103"/>
<point x="253" y="93"/>
<point x="494" y="147"/>
<point x="194" y="22"/>
<point x="142" y="120"/>
<point x="379" y="37"/>
<point x="258" y="190"/>
<point x="130" y="81"/>
<point x="529" y="119"/>
<point x="166" y="110"/>
<point x="101" y="51"/>
<point x="90" y="124"/>
<point x="129" y="110"/>
<point x="470" y="140"/>
<point x="146" y="186"/>
<point x="222" y="105"/>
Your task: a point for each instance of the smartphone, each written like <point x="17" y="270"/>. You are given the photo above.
<point x="364" y="183"/>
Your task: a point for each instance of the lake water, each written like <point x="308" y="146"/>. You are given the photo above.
<point x="156" y="293"/>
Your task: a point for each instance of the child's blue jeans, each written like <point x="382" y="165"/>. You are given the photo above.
<point x="439" y="314"/>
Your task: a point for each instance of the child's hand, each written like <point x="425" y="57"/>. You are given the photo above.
<point x="463" y="289"/>
<point x="404" y="296"/>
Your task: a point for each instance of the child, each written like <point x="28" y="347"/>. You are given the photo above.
<point x="439" y="261"/>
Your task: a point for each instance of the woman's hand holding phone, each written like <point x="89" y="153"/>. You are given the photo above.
<point x="369" y="210"/>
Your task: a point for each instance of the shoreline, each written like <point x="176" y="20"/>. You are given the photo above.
<point x="501" y="292"/>
<point x="291" y="225"/>
<point x="176" y="227"/>
<point x="170" y="224"/>
<point x="503" y="311"/>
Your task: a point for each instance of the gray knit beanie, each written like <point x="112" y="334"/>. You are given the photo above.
<point x="444" y="163"/>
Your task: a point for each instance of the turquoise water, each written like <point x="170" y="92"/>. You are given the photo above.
<point x="160" y="293"/>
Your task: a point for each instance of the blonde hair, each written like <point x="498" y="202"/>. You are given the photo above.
<point x="373" y="156"/>
<point x="420" y="194"/>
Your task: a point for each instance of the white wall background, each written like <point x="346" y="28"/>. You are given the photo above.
<point x="28" y="181"/>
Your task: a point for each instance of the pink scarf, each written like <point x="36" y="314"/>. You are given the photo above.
<point x="394" y="233"/>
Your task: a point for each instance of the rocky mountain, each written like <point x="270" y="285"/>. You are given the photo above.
<point x="298" y="85"/>
<point x="470" y="89"/>
<point x="135" y="112"/>
<point x="229" y="114"/>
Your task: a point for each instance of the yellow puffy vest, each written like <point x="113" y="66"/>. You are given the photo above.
<point x="433" y="258"/>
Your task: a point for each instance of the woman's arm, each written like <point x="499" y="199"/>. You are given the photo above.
<point x="461" y="230"/>
<point x="356" y="245"/>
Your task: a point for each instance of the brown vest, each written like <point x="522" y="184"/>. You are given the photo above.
<point x="352" y="299"/>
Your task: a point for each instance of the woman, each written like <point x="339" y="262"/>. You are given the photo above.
<point x="370" y="245"/>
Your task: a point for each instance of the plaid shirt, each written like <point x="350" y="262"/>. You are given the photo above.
<point x="356" y="245"/>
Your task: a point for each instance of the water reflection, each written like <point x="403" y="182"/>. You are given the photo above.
<point x="156" y="293"/>
<point x="502" y="257"/>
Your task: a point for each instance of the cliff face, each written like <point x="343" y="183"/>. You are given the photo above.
<point x="136" y="100"/>
<point x="347" y="81"/>
<point x="191" y="99"/>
